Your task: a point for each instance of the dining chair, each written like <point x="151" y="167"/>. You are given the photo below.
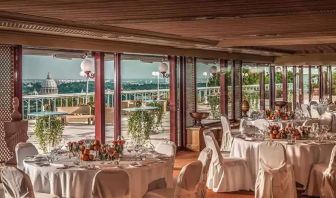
<point x="314" y="113"/>
<point x="310" y="122"/>
<point x="23" y="150"/>
<point x="226" y="174"/>
<point x="305" y="110"/>
<point x="17" y="184"/>
<point x="188" y="182"/>
<point x="331" y="107"/>
<point x="118" y="187"/>
<point x="167" y="148"/>
<point x="322" y="180"/>
<point x="205" y="157"/>
<point x="275" y="177"/>
<point x="326" y="119"/>
<point x="227" y="135"/>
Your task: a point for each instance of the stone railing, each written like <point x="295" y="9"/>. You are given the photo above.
<point x="35" y="103"/>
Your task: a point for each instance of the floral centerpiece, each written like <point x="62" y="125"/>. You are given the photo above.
<point x="279" y="115"/>
<point x="94" y="150"/>
<point x="289" y="131"/>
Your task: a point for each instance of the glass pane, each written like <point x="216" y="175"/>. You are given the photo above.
<point x="48" y="89"/>
<point x="315" y="81"/>
<point x="305" y="85"/>
<point x="290" y="87"/>
<point x="145" y="97"/>
<point x="208" y="92"/>
<point x="278" y="83"/>
<point x="251" y="88"/>
<point x="109" y="96"/>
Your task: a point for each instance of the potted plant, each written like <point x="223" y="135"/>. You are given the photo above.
<point x="48" y="131"/>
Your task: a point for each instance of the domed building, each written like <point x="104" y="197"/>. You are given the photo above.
<point x="49" y="86"/>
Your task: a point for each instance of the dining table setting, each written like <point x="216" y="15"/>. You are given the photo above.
<point x="69" y="170"/>
<point x="304" y="145"/>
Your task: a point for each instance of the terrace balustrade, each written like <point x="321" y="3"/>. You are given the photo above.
<point x="35" y="103"/>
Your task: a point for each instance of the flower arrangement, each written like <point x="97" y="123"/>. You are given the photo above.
<point x="278" y="115"/>
<point x="91" y="150"/>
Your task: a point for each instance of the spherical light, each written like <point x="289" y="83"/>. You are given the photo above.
<point x="163" y="68"/>
<point x="213" y="70"/>
<point x="87" y="65"/>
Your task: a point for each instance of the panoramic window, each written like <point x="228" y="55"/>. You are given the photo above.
<point x="251" y="88"/>
<point x="315" y="83"/>
<point x="56" y="88"/>
<point x="208" y="92"/>
<point x="109" y="96"/>
<point x="145" y="97"/>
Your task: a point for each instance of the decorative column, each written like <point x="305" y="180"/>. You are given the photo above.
<point x="294" y="87"/>
<point x="284" y="83"/>
<point x="272" y="86"/>
<point x="182" y="101"/>
<point x="173" y="98"/>
<point x="321" y="82"/>
<point x="117" y="95"/>
<point x="262" y="92"/>
<point x="223" y="87"/>
<point x="300" y="84"/>
<point x="330" y="82"/>
<point x="236" y="89"/>
<point x="99" y="96"/>
<point x="310" y="83"/>
<point x="190" y="86"/>
<point x="18" y="75"/>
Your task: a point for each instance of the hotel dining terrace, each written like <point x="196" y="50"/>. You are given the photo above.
<point x="167" y="99"/>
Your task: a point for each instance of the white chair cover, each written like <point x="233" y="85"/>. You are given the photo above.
<point x="313" y="103"/>
<point x="326" y="119"/>
<point x="314" y="111"/>
<point x="227" y="136"/>
<point x="23" y="150"/>
<point x="322" y="180"/>
<point x="205" y="157"/>
<point x="166" y="147"/>
<point x="275" y="178"/>
<point x="305" y="110"/>
<point x="103" y="186"/>
<point x="188" y="183"/>
<point x="328" y="186"/>
<point x="226" y="175"/>
<point x="331" y="107"/>
<point x="310" y="122"/>
<point x="18" y="185"/>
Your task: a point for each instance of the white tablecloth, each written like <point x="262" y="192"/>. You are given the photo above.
<point x="301" y="155"/>
<point x="77" y="182"/>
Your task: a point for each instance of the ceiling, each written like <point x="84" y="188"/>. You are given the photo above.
<point x="264" y="27"/>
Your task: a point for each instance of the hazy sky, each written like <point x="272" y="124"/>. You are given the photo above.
<point x="37" y="67"/>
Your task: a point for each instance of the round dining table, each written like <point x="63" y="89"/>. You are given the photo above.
<point x="302" y="155"/>
<point x="65" y="179"/>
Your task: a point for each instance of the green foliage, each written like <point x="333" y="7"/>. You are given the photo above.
<point x="158" y="113"/>
<point x="140" y="125"/>
<point x="48" y="131"/>
<point x="213" y="80"/>
<point x="214" y="106"/>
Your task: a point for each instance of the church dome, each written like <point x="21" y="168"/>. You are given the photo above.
<point x="49" y="86"/>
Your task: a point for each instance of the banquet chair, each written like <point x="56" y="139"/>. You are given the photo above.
<point x="310" y="122"/>
<point x="118" y="187"/>
<point x="167" y="148"/>
<point x="227" y="135"/>
<point x="188" y="184"/>
<point x="322" y="180"/>
<point x="275" y="177"/>
<point x="226" y="174"/>
<point x="326" y="119"/>
<point x="17" y="184"/>
<point x="305" y="110"/>
<point x="314" y="113"/>
<point x="205" y="157"/>
<point x="23" y="150"/>
<point x="331" y="107"/>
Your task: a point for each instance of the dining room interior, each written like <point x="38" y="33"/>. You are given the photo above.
<point x="160" y="99"/>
